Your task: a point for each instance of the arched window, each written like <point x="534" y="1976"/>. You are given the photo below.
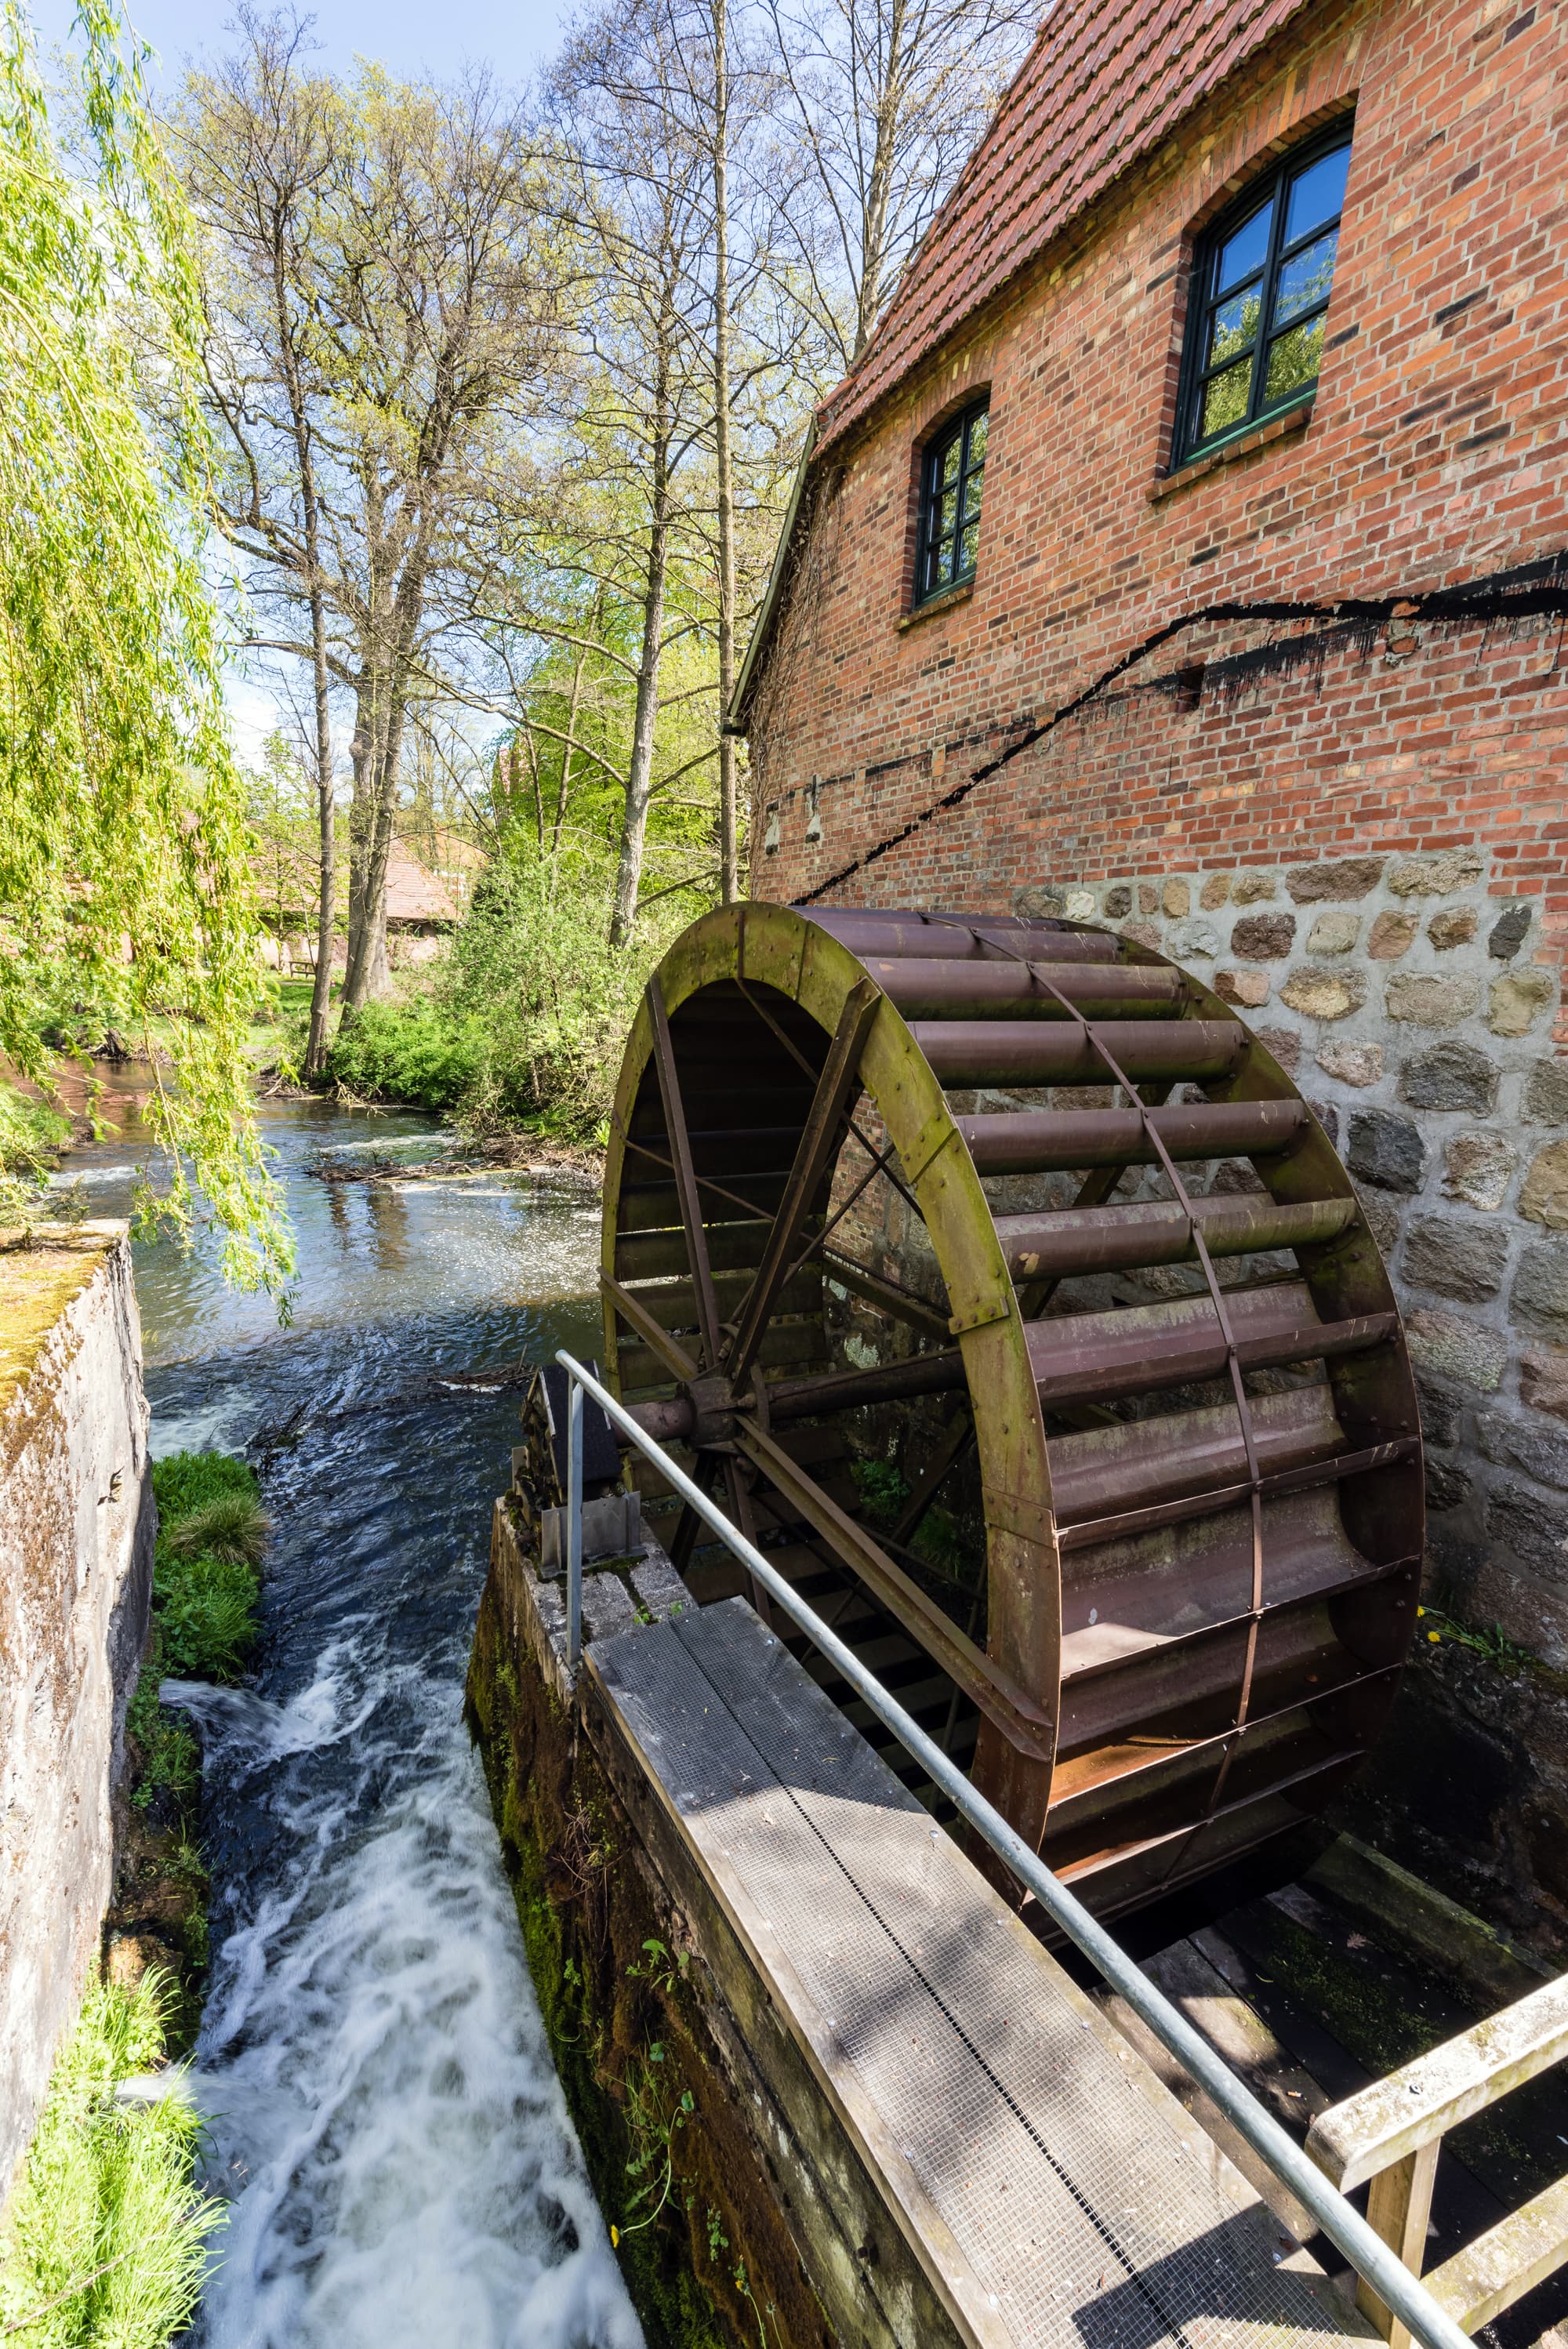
<point x="950" y="505"/>
<point x="1260" y="281"/>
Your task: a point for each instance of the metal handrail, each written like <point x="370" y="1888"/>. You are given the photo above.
<point x="1367" y="2251"/>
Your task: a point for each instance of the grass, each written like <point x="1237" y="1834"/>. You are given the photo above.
<point x="106" y="2235"/>
<point x="206" y="1579"/>
<point x="206" y="1587"/>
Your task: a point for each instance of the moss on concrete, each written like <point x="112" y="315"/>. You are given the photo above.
<point x="706" y="2253"/>
<point x="42" y="1270"/>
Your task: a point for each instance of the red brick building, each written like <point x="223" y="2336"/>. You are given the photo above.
<point x="1258" y="657"/>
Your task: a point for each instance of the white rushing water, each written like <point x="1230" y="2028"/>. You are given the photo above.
<point x="385" y="2120"/>
<point x="381" y="2099"/>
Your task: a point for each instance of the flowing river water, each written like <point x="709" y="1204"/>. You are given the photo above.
<point x="384" y="2115"/>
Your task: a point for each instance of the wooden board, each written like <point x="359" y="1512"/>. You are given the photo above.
<point x="1052" y="2188"/>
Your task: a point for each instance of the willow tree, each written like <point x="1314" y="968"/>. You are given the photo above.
<point x="125" y="893"/>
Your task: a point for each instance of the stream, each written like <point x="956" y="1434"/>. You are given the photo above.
<point x="383" y="2115"/>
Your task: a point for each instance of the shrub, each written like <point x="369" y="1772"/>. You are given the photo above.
<point x="105" y="2237"/>
<point x="524" y="1022"/>
<point x="416" y="1052"/>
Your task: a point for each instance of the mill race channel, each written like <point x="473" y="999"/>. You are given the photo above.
<point x="385" y="2119"/>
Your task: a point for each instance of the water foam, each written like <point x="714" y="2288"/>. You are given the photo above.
<point x="383" y="2109"/>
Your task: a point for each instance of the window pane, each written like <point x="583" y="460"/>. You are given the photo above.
<point x="977" y="438"/>
<point x="948" y="458"/>
<point x="1226" y="400"/>
<point x="1241" y="254"/>
<point x="969" y="547"/>
<point x="1235" y="325"/>
<point x="1293" y="359"/>
<point x="947" y="515"/>
<point x="972" y="489"/>
<point x="1307" y="279"/>
<point x="1317" y="195"/>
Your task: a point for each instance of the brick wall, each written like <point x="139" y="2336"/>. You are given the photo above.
<point x="1364" y="852"/>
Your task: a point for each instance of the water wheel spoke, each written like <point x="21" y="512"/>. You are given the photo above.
<point x="652" y="1333"/>
<point x="837" y="1087"/>
<point x="901" y="1302"/>
<point x="679" y="1141"/>
<point x="957" y="1442"/>
<point x="1025" y="1724"/>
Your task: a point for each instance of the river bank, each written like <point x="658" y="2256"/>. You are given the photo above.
<point x="385" y="2124"/>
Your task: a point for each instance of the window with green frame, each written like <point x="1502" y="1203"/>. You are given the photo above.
<point x="951" y="481"/>
<point x="1261" y="282"/>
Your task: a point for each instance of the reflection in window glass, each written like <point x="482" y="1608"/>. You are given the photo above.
<point x="1317" y="195"/>
<point x="1226" y="400"/>
<point x="1246" y="251"/>
<point x="1292" y="360"/>
<point x="950" y="505"/>
<point x="1262" y="280"/>
<point x="1235" y="324"/>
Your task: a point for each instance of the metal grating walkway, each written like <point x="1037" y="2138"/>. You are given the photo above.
<point x="1053" y="2190"/>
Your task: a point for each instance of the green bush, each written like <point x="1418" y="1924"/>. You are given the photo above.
<point x="205" y="1584"/>
<point x="524" y="1021"/>
<point x="416" y="1052"/>
<point x="106" y="2235"/>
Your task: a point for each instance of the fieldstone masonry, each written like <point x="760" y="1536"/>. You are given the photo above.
<point x="1401" y="994"/>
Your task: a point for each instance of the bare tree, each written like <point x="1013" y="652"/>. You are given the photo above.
<point x="262" y="147"/>
<point x="425" y="298"/>
<point x="878" y="103"/>
<point x="642" y="403"/>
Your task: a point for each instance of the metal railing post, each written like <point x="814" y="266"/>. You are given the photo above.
<point x="573" y="1513"/>
<point x="1344" y="2227"/>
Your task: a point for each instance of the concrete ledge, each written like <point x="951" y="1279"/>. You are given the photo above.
<point x="76" y="1588"/>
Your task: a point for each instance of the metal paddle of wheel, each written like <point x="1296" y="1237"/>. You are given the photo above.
<point x="1188" y="1415"/>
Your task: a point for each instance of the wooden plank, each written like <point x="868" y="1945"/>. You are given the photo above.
<point x="1239" y="2034"/>
<point x="1399" y="2206"/>
<point x="1424" y="1921"/>
<point x="1510" y="2259"/>
<point x="1054" y="2191"/>
<point x="1416" y="2105"/>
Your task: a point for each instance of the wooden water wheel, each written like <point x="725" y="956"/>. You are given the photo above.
<point x="1180" y="1423"/>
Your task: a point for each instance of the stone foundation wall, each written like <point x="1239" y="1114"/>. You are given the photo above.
<point x="76" y="1587"/>
<point x="1401" y="994"/>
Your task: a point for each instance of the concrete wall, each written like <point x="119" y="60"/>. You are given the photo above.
<point x="76" y="1585"/>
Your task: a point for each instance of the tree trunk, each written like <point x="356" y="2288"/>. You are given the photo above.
<point x="305" y="457"/>
<point x="327" y="904"/>
<point x="640" y="769"/>
<point x="640" y="774"/>
<point x="567" y="747"/>
<point x="873" y="238"/>
<point x="729" y="845"/>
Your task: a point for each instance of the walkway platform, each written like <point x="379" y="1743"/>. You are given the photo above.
<point x="1047" y="2184"/>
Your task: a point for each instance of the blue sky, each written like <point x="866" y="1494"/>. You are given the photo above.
<point x="408" y="37"/>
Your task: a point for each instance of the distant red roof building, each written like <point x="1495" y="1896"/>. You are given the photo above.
<point x="414" y="896"/>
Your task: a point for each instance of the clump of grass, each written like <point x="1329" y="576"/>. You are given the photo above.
<point x="106" y="2235"/>
<point x="233" y="1528"/>
<point x="206" y="1583"/>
